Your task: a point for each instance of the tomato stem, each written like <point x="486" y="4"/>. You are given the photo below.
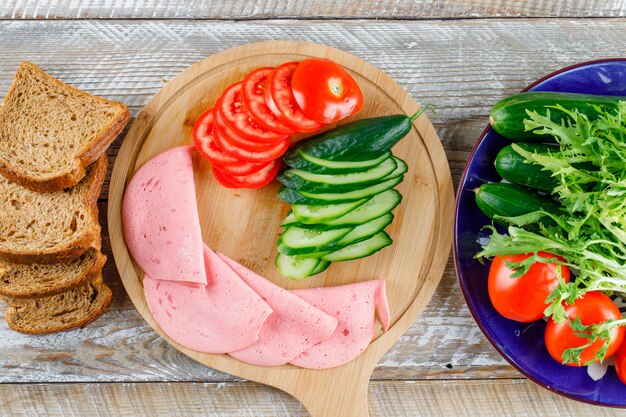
<point x="427" y="106"/>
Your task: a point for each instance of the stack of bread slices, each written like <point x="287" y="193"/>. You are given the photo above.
<point x="53" y="139"/>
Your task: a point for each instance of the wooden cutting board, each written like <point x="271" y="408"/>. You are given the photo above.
<point x="244" y="224"/>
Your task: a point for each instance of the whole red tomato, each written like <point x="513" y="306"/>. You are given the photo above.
<point x="593" y="308"/>
<point x="523" y="299"/>
<point x="620" y="363"/>
<point x="325" y="91"/>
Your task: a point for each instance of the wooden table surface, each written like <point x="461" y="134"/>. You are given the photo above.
<point x="462" y="56"/>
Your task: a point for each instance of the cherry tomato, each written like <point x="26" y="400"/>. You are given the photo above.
<point x="230" y="106"/>
<point x="522" y="299"/>
<point x="620" y="362"/>
<point x="239" y="141"/>
<point x="259" y="155"/>
<point x="593" y="308"/>
<point x="253" y="93"/>
<point x="325" y="91"/>
<point x="279" y="98"/>
<point x="255" y="180"/>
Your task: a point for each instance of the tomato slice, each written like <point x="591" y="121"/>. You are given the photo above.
<point x="255" y="180"/>
<point x="222" y="178"/>
<point x="280" y="95"/>
<point x="324" y="90"/>
<point x="523" y="299"/>
<point x="204" y="139"/>
<point x="239" y="141"/>
<point x="253" y="93"/>
<point x="592" y="308"/>
<point x="230" y="106"/>
<point x="259" y="155"/>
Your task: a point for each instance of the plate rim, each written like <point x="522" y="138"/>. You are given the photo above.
<point x="465" y="290"/>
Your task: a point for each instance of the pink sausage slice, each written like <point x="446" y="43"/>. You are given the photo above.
<point x="160" y="217"/>
<point x="293" y="327"/>
<point x="354" y="306"/>
<point x="223" y="316"/>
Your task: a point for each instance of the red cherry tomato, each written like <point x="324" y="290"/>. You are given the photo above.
<point x="522" y="299"/>
<point x="253" y="93"/>
<point x="279" y="98"/>
<point x="620" y="363"/>
<point x="593" y="308"/>
<point x="232" y="110"/>
<point x="255" y="180"/>
<point x="239" y="141"/>
<point x="259" y="155"/>
<point x="324" y="90"/>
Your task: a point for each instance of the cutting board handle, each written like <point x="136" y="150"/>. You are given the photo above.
<point x="339" y="395"/>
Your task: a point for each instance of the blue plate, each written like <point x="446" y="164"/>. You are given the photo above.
<point x="522" y="344"/>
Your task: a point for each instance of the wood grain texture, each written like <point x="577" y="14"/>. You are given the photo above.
<point x="462" y="67"/>
<point x="511" y="398"/>
<point x="307" y="9"/>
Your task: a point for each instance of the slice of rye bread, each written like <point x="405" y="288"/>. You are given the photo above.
<point x="50" y="132"/>
<point x="74" y="308"/>
<point x="41" y="280"/>
<point x="50" y="227"/>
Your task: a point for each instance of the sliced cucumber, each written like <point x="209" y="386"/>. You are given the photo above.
<point x="401" y="169"/>
<point x="297" y="179"/>
<point x="304" y="197"/>
<point x="324" y="166"/>
<point x="360" y="249"/>
<point x="318" y="254"/>
<point x="321" y="267"/>
<point x="296" y="267"/>
<point x="375" y="207"/>
<point x="365" y="231"/>
<point x="297" y="240"/>
<point x="319" y="214"/>
<point x="289" y="220"/>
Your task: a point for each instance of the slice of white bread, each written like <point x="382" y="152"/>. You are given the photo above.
<point x="50" y="227"/>
<point x="41" y="280"/>
<point x="74" y="308"/>
<point x="50" y="132"/>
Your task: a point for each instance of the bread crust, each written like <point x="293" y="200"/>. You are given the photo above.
<point x="98" y="148"/>
<point x="89" y="240"/>
<point x="106" y="302"/>
<point x="88" y="276"/>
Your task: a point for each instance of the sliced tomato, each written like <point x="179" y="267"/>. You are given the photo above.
<point x="253" y="93"/>
<point x="280" y="96"/>
<point x="260" y="155"/>
<point x="204" y="139"/>
<point x="592" y="308"/>
<point x="243" y="168"/>
<point x="523" y="299"/>
<point x="222" y="178"/>
<point x="255" y="180"/>
<point x="239" y="141"/>
<point x="324" y="91"/>
<point x="230" y="106"/>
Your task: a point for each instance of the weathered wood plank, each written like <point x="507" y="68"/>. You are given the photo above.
<point x="307" y="9"/>
<point x="462" y="67"/>
<point x="514" y="398"/>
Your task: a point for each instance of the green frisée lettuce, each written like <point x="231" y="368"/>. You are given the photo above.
<point x="590" y="235"/>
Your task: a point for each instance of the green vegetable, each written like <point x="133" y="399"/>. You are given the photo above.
<point x="514" y="168"/>
<point x="507" y="116"/>
<point x="590" y="233"/>
<point x="315" y="165"/>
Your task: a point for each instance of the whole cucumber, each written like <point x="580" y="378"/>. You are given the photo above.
<point x="510" y="200"/>
<point x="507" y="116"/>
<point x="514" y="168"/>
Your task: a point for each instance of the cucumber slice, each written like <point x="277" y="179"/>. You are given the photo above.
<point x="321" y="267"/>
<point x="375" y="207"/>
<point x="401" y="169"/>
<point x="289" y="220"/>
<point x="365" y="231"/>
<point x="283" y="249"/>
<point x="319" y="214"/>
<point x="304" y="197"/>
<point x="296" y="267"/>
<point x="297" y="179"/>
<point x="324" y="166"/>
<point x="297" y="240"/>
<point x="360" y="249"/>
